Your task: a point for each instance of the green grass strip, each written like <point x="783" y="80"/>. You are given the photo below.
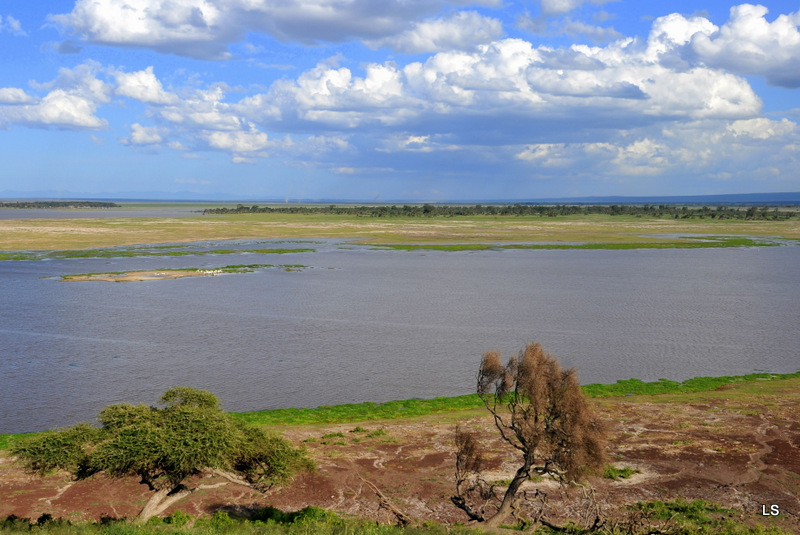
<point x="138" y="252"/>
<point x="356" y="412"/>
<point x="665" y="386"/>
<point x="419" y="407"/>
<point x="695" y="243"/>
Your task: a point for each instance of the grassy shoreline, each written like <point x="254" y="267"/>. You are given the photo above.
<point x="83" y="234"/>
<point x="684" y="242"/>
<point x="370" y="411"/>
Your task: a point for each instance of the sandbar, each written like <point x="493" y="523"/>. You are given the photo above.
<point x="137" y="276"/>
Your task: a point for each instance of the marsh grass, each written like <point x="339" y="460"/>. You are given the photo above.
<point x="81" y="234"/>
<point x="137" y="252"/>
<point x="676" y="243"/>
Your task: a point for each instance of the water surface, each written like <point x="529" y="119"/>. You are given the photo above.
<point x="361" y="324"/>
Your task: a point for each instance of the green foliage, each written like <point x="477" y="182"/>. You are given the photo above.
<point x="165" y="445"/>
<point x="67" y="449"/>
<point x="696" y="511"/>
<point x="267" y="460"/>
<point x="672" y="211"/>
<point x="614" y="473"/>
<point x="183" y="396"/>
<point x="305" y="515"/>
<point x="178" y="518"/>
<point x="313" y="520"/>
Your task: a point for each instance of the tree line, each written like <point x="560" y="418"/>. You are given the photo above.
<point x="758" y="213"/>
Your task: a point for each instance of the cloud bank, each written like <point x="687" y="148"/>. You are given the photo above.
<point x="672" y="102"/>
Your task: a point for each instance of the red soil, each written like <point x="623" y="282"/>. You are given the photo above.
<point x="743" y="455"/>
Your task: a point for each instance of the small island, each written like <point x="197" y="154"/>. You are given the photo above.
<point x="162" y="274"/>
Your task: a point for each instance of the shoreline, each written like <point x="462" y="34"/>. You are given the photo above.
<point x="701" y="241"/>
<point x="392" y="410"/>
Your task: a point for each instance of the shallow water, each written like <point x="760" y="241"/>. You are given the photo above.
<point x="362" y="324"/>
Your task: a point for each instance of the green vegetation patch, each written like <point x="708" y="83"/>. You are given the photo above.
<point x="692" y="242"/>
<point x="676" y="517"/>
<point x="266" y="521"/>
<point x="665" y="386"/>
<point x="614" y="473"/>
<point x="136" y="252"/>
<point x="357" y="412"/>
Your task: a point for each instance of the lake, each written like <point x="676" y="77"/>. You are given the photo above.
<point x="364" y="324"/>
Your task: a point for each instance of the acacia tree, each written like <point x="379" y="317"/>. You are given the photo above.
<point x="541" y="411"/>
<point x="165" y="445"/>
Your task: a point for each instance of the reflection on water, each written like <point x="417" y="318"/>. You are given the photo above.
<point x="376" y="325"/>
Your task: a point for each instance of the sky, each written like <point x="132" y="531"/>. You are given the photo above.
<point x="381" y="100"/>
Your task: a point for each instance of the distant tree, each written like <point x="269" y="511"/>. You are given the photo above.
<point x="539" y="410"/>
<point x="165" y="445"/>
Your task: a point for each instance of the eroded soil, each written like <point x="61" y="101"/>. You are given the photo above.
<point x="740" y="452"/>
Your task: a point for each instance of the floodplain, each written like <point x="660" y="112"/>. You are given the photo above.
<point x="732" y="442"/>
<point x="92" y="232"/>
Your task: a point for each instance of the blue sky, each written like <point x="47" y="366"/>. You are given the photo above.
<point x="426" y="100"/>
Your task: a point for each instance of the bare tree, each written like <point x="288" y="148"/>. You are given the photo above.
<point x="541" y="411"/>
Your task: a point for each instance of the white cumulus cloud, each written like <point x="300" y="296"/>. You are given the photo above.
<point x="70" y="102"/>
<point x="461" y="30"/>
<point x="144" y="135"/>
<point x="749" y="44"/>
<point x="143" y="86"/>
<point x="205" y="28"/>
<point x="762" y="128"/>
<point x="14" y="95"/>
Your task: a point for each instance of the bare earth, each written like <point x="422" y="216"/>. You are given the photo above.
<point x="740" y="452"/>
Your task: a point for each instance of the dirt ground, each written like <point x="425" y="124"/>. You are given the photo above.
<point x="740" y="452"/>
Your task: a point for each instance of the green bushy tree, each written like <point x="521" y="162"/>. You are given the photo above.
<point x="187" y="435"/>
